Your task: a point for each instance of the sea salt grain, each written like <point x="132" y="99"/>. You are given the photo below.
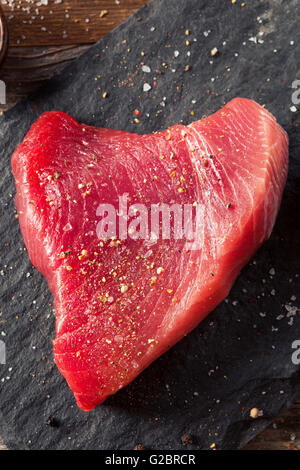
<point x="146" y="69"/>
<point x="146" y="87"/>
<point x="253" y="39"/>
<point x="292" y="310"/>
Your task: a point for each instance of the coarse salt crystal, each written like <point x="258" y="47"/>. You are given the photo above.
<point x="146" y="87"/>
<point x="146" y="69"/>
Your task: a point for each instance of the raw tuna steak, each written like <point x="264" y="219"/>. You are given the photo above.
<point x="121" y="302"/>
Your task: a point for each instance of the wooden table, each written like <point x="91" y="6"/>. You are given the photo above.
<point x="47" y="34"/>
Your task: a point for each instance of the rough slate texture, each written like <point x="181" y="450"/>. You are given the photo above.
<point x="240" y="357"/>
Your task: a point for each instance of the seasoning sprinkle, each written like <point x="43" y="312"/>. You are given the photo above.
<point x="254" y="413"/>
<point x="124" y="288"/>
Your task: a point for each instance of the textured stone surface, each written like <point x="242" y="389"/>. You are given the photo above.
<point x="240" y="356"/>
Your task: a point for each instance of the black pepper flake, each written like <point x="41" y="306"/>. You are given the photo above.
<point x="53" y="422"/>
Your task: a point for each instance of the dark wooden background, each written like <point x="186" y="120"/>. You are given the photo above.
<point x="44" y="36"/>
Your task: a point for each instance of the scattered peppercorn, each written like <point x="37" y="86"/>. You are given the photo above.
<point x="139" y="447"/>
<point x="186" y="439"/>
<point x="53" y="422"/>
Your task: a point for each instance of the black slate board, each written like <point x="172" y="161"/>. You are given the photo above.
<point x="240" y="356"/>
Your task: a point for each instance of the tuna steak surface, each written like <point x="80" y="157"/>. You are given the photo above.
<point x="93" y="207"/>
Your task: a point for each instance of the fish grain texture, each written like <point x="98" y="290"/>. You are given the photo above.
<point x="120" y="305"/>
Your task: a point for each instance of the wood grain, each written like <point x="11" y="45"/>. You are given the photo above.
<point x="27" y="68"/>
<point x="43" y="39"/>
<point x="68" y="22"/>
<point x="283" y="434"/>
